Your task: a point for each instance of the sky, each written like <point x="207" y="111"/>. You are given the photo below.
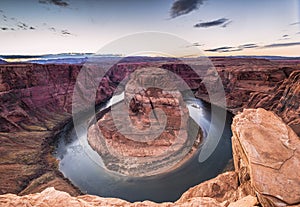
<point x="216" y="27"/>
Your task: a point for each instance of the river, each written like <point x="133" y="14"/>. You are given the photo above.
<point x="83" y="166"/>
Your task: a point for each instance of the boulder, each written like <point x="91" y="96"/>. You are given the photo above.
<point x="266" y="157"/>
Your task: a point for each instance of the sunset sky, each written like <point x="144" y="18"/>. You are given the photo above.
<point x="217" y="27"/>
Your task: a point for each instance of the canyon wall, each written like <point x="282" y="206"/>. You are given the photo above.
<point x="249" y="83"/>
<point x="266" y="153"/>
<point x="36" y="101"/>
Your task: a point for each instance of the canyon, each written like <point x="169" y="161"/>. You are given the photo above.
<point x="36" y="102"/>
<point x="150" y="131"/>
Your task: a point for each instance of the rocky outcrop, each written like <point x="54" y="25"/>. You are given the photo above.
<point x="266" y="157"/>
<point x="283" y="100"/>
<point x="36" y="103"/>
<point x="272" y="85"/>
<point x="218" y="192"/>
<point x="150" y="131"/>
<point x="248" y="83"/>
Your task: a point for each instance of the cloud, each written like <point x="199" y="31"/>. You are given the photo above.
<point x="226" y="24"/>
<point x="224" y="49"/>
<point x="66" y="32"/>
<point x="182" y="7"/>
<point x="55" y="2"/>
<point x="57" y="31"/>
<point x="22" y="25"/>
<point x="12" y="24"/>
<point x="196" y="44"/>
<point x="250" y="45"/>
<point x="232" y="49"/>
<point x="285" y="37"/>
<point x="245" y="46"/>
<point x="288" y="44"/>
<point x="52" y="29"/>
<point x="223" y="21"/>
<point x="295" y="23"/>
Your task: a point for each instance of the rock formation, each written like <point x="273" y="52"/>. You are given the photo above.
<point x="266" y="156"/>
<point x="258" y="83"/>
<point x="259" y="136"/>
<point x="36" y="103"/>
<point x="218" y="192"/>
<point x="150" y="131"/>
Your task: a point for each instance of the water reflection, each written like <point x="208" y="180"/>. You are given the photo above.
<point x="82" y="165"/>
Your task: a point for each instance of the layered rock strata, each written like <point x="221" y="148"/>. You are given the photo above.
<point x="266" y="157"/>
<point x="36" y="103"/>
<point x="218" y="192"/>
<point x="150" y="131"/>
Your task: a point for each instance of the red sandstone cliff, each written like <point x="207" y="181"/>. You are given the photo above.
<point x="263" y="175"/>
<point x="36" y="102"/>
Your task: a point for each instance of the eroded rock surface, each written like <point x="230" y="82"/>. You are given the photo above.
<point x="36" y="103"/>
<point x="218" y="192"/>
<point x="150" y="131"/>
<point x="267" y="157"/>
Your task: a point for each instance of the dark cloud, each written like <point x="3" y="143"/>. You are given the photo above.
<point x="13" y="24"/>
<point x="226" y="24"/>
<point x="23" y="26"/>
<point x="55" y="2"/>
<point x="295" y="23"/>
<point x="288" y="44"/>
<point x="57" y="31"/>
<point x="222" y="49"/>
<point x="66" y="32"/>
<point x="232" y="49"/>
<point x="196" y="44"/>
<point x="222" y="21"/>
<point x="52" y="29"/>
<point x="285" y="37"/>
<point x="251" y="45"/>
<point x="181" y="7"/>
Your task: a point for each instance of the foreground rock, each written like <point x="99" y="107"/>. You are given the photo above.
<point x="266" y="156"/>
<point x="150" y="131"/>
<point x="221" y="191"/>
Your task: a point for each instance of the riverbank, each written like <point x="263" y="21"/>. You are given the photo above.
<point x="35" y="99"/>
